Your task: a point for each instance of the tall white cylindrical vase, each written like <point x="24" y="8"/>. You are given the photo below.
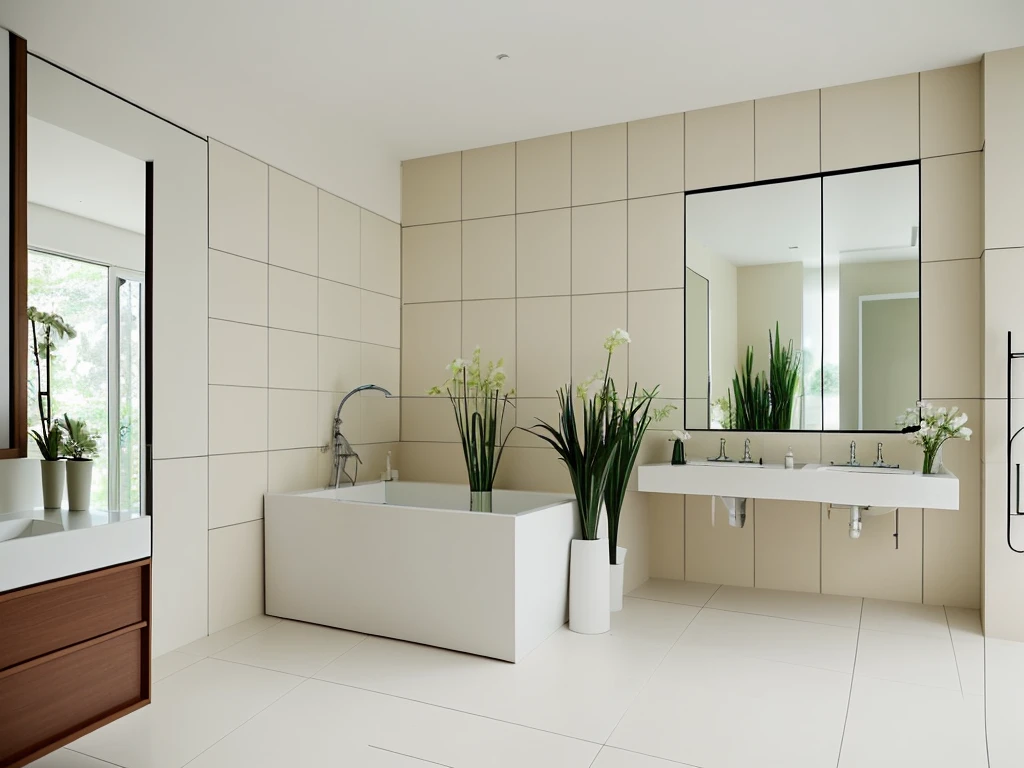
<point x="79" y="484"/>
<point x="53" y="483"/>
<point x="589" y="611"/>
<point x="616" y="573"/>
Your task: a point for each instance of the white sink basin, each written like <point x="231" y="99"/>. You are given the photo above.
<point x="731" y="463"/>
<point x="23" y="528"/>
<point x="867" y="469"/>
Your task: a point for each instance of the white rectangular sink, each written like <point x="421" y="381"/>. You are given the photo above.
<point x="867" y="469"/>
<point x="731" y="463"/>
<point x="860" y="486"/>
<point x="25" y="527"/>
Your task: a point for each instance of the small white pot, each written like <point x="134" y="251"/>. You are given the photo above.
<point x="615" y="578"/>
<point x="589" y="611"/>
<point x="79" y="484"/>
<point x="53" y="483"/>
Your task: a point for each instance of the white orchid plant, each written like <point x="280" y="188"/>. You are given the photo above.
<point x="930" y="427"/>
<point x="478" y="397"/>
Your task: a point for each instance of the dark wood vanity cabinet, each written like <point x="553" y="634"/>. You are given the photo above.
<point x="74" y="655"/>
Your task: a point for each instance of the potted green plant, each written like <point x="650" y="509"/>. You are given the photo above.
<point x="479" y="400"/>
<point x="79" y="447"/>
<point x="46" y="328"/>
<point x="590" y="458"/>
<point x="627" y="426"/>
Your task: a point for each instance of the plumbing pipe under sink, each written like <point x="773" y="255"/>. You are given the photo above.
<point x="737" y="510"/>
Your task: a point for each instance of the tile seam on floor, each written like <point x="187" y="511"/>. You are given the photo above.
<point x="784" y="618"/>
<point x="650" y="677"/>
<point x="405" y="754"/>
<point x="916" y="685"/>
<point x="347" y="650"/>
<point x="254" y="714"/>
<point x="956" y="661"/>
<point x="86" y="754"/>
<point x="853" y="678"/>
<point x="646" y="754"/>
<point x="454" y="709"/>
<point x="665" y="602"/>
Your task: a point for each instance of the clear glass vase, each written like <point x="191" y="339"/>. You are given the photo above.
<point x="932" y="462"/>
<point x="480" y="501"/>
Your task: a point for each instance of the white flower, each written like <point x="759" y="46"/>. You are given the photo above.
<point x="456" y="366"/>
<point x="617" y="339"/>
<point x="684" y="435"/>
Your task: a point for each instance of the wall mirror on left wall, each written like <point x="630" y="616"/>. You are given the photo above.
<point x="86" y="275"/>
<point x="803" y="302"/>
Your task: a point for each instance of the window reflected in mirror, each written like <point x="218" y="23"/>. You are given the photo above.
<point x="755" y="252"/>
<point x="871" y="370"/>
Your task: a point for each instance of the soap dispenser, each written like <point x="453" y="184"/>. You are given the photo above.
<point x="789" y="459"/>
<point x="389" y="474"/>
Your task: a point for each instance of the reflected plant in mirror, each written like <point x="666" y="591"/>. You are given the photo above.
<point x="45" y="329"/>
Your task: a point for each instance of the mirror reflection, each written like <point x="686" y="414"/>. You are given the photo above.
<point x="871" y="367"/>
<point x="759" y="251"/>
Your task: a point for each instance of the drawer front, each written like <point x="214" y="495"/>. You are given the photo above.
<point x="40" y="620"/>
<point x="46" y="702"/>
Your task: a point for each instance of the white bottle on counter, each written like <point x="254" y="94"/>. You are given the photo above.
<point x="790" y="464"/>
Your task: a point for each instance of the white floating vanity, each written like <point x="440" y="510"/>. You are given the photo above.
<point x="864" y="486"/>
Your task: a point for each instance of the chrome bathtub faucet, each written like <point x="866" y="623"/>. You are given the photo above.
<point x="343" y="450"/>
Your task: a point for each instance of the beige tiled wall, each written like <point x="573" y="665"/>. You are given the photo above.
<point x="1002" y="278"/>
<point x="304" y="305"/>
<point x="565" y="237"/>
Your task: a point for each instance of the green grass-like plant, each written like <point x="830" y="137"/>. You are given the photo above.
<point x="752" y="410"/>
<point x="783" y="379"/>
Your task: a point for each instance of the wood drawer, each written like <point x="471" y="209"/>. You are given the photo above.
<point x="45" y="703"/>
<point x="38" y="620"/>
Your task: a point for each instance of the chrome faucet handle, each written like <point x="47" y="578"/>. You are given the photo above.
<point x="880" y="462"/>
<point x="721" y="451"/>
<point x="746" y="453"/>
<point x="853" y="454"/>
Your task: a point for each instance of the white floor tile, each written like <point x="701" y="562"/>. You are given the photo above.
<point x="574" y="685"/>
<point x="321" y="724"/>
<point x="897" y="725"/>
<point x="609" y="757"/>
<point x="218" y="641"/>
<point x="1004" y="684"/>
<point x="66" y="758"/>
<point x="969" y="647"/>
<point x="191" y="711"/>
<point x="671" y="591"/>
<point x="773" y="639"/>
<point x="805" y="606"/>
<point x="292" y="647"/>
<point x="917" y="659"/>
<point x="169" y="663"/>
<point x="909" y="618"/>
<point x="718" y="711"/>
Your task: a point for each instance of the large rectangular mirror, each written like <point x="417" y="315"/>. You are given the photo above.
<point x="803" y="302"/>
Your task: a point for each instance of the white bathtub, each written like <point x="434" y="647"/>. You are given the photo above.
<point x="410" y="561"/>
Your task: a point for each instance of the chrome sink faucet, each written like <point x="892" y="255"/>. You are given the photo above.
<point x="721" y="452"/>
<point x="747" y="459"/>
<point x="853" y="455"/>
<point x="881" y="463"/>
<point x="343" y="450"/>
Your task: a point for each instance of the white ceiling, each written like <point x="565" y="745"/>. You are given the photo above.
<point x="868" y="216"/>
<point x="77" y="175"/>
<point x="353" y="85"/>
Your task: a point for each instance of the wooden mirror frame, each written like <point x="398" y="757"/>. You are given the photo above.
<point x="18" y="251"/>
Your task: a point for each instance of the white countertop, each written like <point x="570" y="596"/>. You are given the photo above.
<point x="810" y="482"/>
<point x="40" y="545"/>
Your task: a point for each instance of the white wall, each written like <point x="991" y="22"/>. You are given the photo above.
<point x="304" y="306"/>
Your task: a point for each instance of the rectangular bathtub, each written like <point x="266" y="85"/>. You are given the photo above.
<point x="410" y="561"/>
